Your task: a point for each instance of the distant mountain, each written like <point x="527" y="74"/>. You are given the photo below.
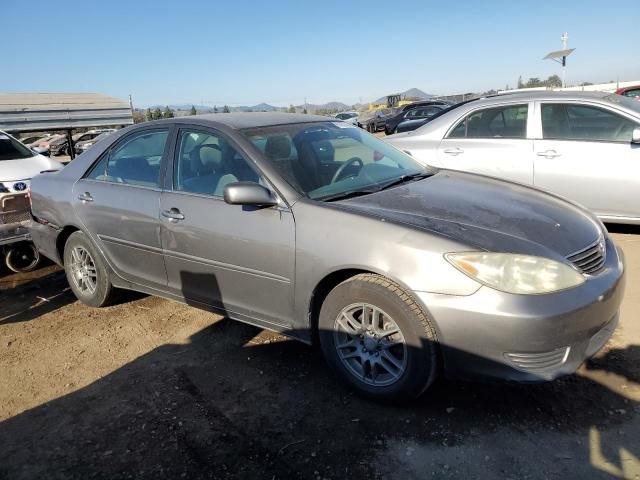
<point x="411" y="93"/>
<point x="329" y="106"/>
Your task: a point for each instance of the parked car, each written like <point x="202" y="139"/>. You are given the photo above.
<point x="311" y="227"/>
<point x="45" y="143"/>
<point x="417" y="117"/>
<point x="18" y="164"/>
<point x="61" y="146"/>
<point x="375" y="120"/>
<point x="633" y="92"/>
<point x="582" y="145"/>
<point x="31" y="139"/>
<point x="392" y="121"/>
<point x="349" y="117"/>
<point x="84" y="145"/>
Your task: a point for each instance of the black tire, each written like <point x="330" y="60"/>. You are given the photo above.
<point x="104" y="291"/>
<point x="22" y="257"/>
<point x="421" y="367"/>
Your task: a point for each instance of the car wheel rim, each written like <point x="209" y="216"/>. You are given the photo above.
<point x="370" y="344"/>
<point x="83" y="270"/>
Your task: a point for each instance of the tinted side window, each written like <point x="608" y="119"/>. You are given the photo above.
<point x="632" y="93"/>
<point x="136" y="161"/>
<point x="500" y="122"/>
<point x="206" y="163"/>
<point x="586" y="123"/>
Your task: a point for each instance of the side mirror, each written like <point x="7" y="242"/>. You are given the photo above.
<point x="635" y="135"/>
<point x="249" y="193"/>
<point x="40" y="150"/>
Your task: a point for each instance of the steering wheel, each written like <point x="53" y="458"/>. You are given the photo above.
<point x="352" y="161"/>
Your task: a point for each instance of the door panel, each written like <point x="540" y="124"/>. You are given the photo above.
<point x="491" y="141"/>
<point x="123" y="222"/>
<point x="586" y="155"/>
<point x="602" y="176"/>
<point x="510" y="159"/>
<point x="236" y="258"/>
<point x="118" y="203"/>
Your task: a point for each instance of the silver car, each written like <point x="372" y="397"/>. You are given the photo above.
<point x="312" y="227"/>
<point x="582" y="145"/>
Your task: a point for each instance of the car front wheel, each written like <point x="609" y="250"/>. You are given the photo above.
<point x="86" y="271"/>
<point x="378" y="339"/>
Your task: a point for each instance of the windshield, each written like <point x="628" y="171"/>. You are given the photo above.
<point x="326" y="159"/>
<point x="11" y="149"/>
<point x="626" y="102"/>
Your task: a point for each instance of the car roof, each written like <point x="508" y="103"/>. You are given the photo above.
<point x="243" y="120"/>
<point x="541" y="95"/>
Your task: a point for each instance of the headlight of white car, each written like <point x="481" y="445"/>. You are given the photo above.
<point x="514" y="273"/>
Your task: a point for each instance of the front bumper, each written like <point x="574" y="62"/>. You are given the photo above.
<point x="527" y="338"/>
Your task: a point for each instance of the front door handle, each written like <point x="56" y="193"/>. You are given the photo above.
<point x="173" y="215"/>
<point x="85" y="197"/>
<point x="549" y="154"/>
<point x="454" y="151"/>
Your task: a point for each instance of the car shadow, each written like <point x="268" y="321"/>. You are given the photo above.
<point x="236" y="402"/>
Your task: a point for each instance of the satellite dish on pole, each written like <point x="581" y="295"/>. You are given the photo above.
<point x="560" y="56"/>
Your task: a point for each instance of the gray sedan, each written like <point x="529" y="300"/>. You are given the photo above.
<point x="316" y="229"/>
<point x="584" y="146"/>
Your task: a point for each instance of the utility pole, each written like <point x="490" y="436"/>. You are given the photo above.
<point x="564" y="39"/>
<point x="131" y="105"/>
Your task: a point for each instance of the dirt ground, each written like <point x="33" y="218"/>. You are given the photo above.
<point x="154" y="389"/>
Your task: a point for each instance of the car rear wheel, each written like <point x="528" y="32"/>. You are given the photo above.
<point x="86" y="271"/>
<point x="377" y="338"/>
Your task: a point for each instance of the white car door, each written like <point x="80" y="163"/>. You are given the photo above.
<point x="585" y="154"/>
<point x="491" y="141"/>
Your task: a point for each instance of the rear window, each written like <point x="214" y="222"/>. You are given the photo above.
<point x="11" y="149"/>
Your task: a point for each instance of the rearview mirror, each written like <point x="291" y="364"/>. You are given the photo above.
<point x="249" y="193"/>
<point x="635" y="135"/>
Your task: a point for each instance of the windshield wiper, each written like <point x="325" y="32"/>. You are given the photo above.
<point x="404" y="179"/>
<point x="345" y="195"/>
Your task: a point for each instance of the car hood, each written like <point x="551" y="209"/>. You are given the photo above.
<point x="26" y="168"/>
<point x="484" y="213"/>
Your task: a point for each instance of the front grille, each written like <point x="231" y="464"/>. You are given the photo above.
<point x="536" y="362"/>
<point x="590" y="260"/>
<point x="14" y="209"/>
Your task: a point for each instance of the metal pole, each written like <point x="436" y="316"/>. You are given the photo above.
<point x="72" y="151"/>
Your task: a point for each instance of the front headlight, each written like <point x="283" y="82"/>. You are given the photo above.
<point x="514" y="273"/>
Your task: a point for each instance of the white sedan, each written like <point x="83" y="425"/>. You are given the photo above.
<point x="18" y="164"/>
<point x="583" y="146"/>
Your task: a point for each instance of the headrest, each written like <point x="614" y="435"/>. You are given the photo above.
<point x="278" y="147"/>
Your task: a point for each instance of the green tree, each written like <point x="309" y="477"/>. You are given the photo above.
<point x="292" y="109"/>
<point x="149" y="114"/>
<point x="168" y="113"/>
<point x="520" y="84"/>
<point x="139" y="116"/>
<point x="157" y="114"/>
<point x="215" y="109"/>
<point x="225" y="109"/>
<point x="193" y="110"/>
<point x="304" y="111"/>
<point x="553" y="81"/>
<point x="534" y="82"/>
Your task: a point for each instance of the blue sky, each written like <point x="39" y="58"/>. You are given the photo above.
<point x="245" y="52"/>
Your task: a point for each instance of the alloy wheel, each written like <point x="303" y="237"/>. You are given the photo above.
<point x="370" y="344"/>
<point x="83" y="270"/>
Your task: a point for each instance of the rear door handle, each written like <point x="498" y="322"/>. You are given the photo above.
<point x="173" y="215"/>
<point x="453" y="151"/>
<point x="549" y="154"/>
<point x="85" y="197"/>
